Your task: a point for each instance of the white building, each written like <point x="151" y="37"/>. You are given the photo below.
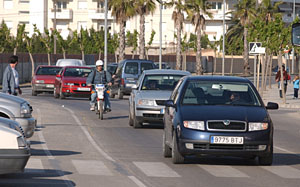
<point x="76" y="14"/>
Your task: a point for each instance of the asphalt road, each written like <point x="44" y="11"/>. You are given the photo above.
<point x="72" y="147"/>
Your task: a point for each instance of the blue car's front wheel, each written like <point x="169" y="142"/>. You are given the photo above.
<point x="177" y="158"/>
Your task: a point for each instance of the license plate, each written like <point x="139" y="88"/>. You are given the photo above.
<point x="226" y="140"/>
<point x="162" y="111"/>
<point x="49" y="85"/>
<point x="83" y="89"/>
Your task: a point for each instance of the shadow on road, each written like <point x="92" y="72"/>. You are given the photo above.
<point x="117" y="117"/>
<point x="35" y="177"/>
<point x="41" y="152"/>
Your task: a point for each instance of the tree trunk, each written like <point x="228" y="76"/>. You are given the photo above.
<point x="116" y="58"/>
<point x="215" y="61"/>
<point x="231" y="64"/>
<point x="178" y="48"/>
<point x="266" y="71"/>
<point x="199" y="68"/>
<point x="15" y="51"/>
<point x="246" y="55"/>
<point x="122" y="41"/>
<point x="49" y="60"/>
<point x="270" y="70"/>
<point x="263" y="66"/>
<point x="142" y="37"/>
<point x="82" y="55"/>
<point x="99" y="55"/>
<point x="64" y="53"/>
<point x="32" y="64"/>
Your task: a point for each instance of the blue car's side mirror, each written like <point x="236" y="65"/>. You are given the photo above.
<point x="169" y="103"/>
<point x="272" y="106"/>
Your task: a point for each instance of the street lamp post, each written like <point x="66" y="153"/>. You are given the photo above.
<point x="160" y="34"/>
<point x="223" y="59"/>
<point x="54" y="27"/>
<point x="293" y="52"/>
<point x="105" y="37"/>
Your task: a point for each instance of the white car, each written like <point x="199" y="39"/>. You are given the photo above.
<point x="154" y="87"/>
<point x="14" y="151"/>
<point x="70" y="62"/>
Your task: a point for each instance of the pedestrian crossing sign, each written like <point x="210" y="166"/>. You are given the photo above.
<point x="253" y="47"/>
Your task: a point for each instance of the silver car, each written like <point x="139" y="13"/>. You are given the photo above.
<point x="154" y="87"/>
<point x="18" y="109"/>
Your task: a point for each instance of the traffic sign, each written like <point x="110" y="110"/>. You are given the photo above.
<point x="253" y="47"/>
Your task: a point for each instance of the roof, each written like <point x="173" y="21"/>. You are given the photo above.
<point x="85" y="67"/>
<point x="136" y="60"/>
<point x="219" y="78"/>
<point x="166" y="71"/>
<point x="51" y="66"/>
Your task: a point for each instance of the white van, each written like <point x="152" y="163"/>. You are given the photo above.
<point x="70" y="62"/>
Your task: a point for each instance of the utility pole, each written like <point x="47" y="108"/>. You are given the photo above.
<point x="293" y="51"/>
<point x="54" y="27"/>
<point x="223" y="59"/>
<point x="105" y="36"/>
<point x="160" y="33"/>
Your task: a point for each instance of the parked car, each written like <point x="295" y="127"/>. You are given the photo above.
<point x="127" y="74"/>
<point x="112" y="68"/>
<point x="12" y="124"/>
<point x="217" y="116"/>
<point x="70" y="62"/>
<point x="153" y="89"/>
<point x="43" y="79"/>
<point x="14" y="151"/>
<point x="18" y="109"/>
<point x="71" y="81"/>
<point x="164" y="65"/>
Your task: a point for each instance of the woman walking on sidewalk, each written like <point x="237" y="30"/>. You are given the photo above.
<point x="296" y="86"/>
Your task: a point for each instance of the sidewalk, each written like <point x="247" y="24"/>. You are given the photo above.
<point x="272" y="95"/>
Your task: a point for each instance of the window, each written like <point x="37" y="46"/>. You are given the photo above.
<point x="82" y="5"/>
<point x="8" y="4"/>
<point x="160" y="82"/>
<point x="61" y="4"/>
<point x="131" y="68"/>
<point x="215" y="5"/>
<point x="23" y="1"/>
<point x="146" y="66"/>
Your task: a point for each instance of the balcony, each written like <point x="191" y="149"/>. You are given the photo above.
<point x="61" y="14"/>
<point x="99" y="14"/>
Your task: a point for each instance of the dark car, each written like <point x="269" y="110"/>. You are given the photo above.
<point x="127" y="74"/>
<point x="112" y="68"/>
<point x="71" y="81"/>
<point x="208" y="115"/>
<point x="164" y="65"/>
<point x="43" y="79"/>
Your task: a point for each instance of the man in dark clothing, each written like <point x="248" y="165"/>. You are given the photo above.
<point x="99" y="76"/>
<point x="10" y="81"/>
<point x="285" y="80"/>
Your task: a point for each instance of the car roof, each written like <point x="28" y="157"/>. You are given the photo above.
<point x="69" y="59"/>
<point x="137" y="60"/>
<point x="219" y="78"/>
<point x="51" y="66"/>
<point x="65" y="67"/>
<point x="165" y="71"/>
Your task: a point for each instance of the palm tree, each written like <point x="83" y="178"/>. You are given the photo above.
<point x="245" y="11"/>
<point x="122" y="10"/>
<point x="143" y="7"/>
<point x="178" y="18"/>
<point x="196" y="11"/>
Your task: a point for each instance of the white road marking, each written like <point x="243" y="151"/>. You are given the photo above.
<point x="287" y="172"/>
<point x="48" y="153"/>
<point x="223" y="171"/>
<point x="136" y="181"/>
<point x="34" y="166"/>
<point x="287" y="151"/>
<point x="91" y="167"/>
<point x="156" y="169"/>
<point x="89" y="137"/>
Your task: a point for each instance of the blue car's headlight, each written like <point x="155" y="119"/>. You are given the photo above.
<point x="199" y="125"/>
<point x="258" y="126"/>
<point x="146" y="102"/>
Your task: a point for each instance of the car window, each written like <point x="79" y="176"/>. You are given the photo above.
<point x="77" y="72"/>
<point x="160" y="82"/>
<point x="174" y="94"/>
<point x="111" y="69"/>
<point x="146" y="66"/>
<point x="219" y="93"/>
<point x="131" y="68"/>
<point x="48" y="70"/>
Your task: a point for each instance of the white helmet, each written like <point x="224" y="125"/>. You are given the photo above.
<point x="99" y="63"/>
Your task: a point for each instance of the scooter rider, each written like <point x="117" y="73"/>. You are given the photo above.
<point x="99" y="76"/>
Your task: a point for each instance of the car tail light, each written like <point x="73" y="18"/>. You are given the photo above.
<point x="122" y="82"/>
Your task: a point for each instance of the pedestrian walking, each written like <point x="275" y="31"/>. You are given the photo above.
<point x="296" y="86"/>
<point x="286" y="77"/>
<point x="10" y="81"/>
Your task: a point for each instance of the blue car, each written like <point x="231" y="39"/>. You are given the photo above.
<point x="214" y="115"/>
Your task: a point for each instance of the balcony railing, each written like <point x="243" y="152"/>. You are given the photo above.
<point x="61" y="14"/>
<point x="99" y="14"/>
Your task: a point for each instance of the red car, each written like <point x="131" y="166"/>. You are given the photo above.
<point x="43" y="79"/>
<point x="71" y="81"/>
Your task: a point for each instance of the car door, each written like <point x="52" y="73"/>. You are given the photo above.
<point x="135" y="94"/>
<point x="170" y="113"/>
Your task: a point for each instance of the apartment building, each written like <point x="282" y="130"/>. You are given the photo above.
<point x="65" y="15"/>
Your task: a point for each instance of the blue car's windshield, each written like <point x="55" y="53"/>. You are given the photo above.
<point x="219" y="93"/>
